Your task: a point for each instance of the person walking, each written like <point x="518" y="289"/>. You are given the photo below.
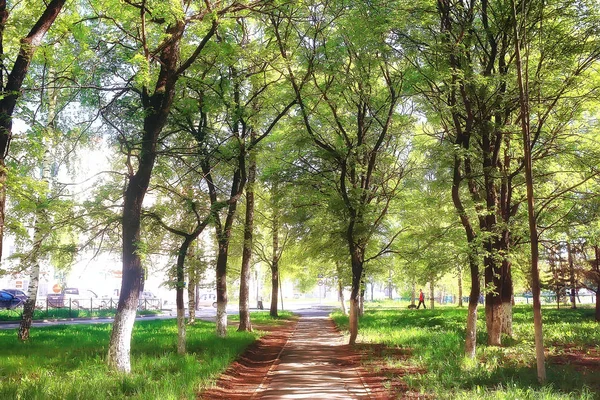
<point x="421" y="299"/>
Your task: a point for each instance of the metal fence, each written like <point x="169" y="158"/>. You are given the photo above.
<point x="93" y="304"/>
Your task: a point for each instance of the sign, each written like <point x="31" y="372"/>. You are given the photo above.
<point x="56" y="288"/>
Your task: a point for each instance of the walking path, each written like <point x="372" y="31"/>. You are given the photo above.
<point x="314" y="364"/>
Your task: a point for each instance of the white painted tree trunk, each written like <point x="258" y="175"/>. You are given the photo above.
<point x="181" y="332"/>
<point x="471" y="334"/>
<point x="353" y="320"/>
<point x="221" y="319"/>
<point x="120" y="341"/>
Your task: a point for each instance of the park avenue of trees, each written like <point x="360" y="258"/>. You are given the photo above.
<point x="361" y="139"/>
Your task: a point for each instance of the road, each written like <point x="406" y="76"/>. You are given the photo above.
<point x="204" y="313"/>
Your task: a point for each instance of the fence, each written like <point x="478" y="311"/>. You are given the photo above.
<point x="92" y="304"/>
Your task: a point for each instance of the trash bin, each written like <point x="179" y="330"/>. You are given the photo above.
<point x="260" y="305"/>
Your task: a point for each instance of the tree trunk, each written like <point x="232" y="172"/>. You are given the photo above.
<point x="507" y="298"/>
<point x="192" y="289"/>
<point x="460" y="289"/>
<point x="535" y="275"/>
<point x="413" y="292"/>
<point x="361" y="304"/>
<point x="221" y="271"/>
<point x="357" y="258"/>
<point x="34" y="278"/>
<point x="341" y="296"/>
<point x="571" y="275"/>
<point x="493" y="299"/>
<point x="245" y="324"/>
<point x="275" y="255"/>
<point x="179" y="294"/>
<point x="471" y="333"/>
<point x="597" y="267"/>
<point x="431" y="294"/>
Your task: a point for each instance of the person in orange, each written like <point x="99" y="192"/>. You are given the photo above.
<point x="421" y="299"/>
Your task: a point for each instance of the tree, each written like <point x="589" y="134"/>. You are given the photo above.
<point x="12" y="84"/>
<point x="156" y="39"/>
<point x="348" y="87"/>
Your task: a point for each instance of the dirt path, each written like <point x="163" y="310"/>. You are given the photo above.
<point x="305" y="361"/>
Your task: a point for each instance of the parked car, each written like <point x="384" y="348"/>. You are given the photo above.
<point x="9" y="301"/>
<point x="207" y="300"/>
<point x="17" y="293"/>
<point x="73" y="297"/>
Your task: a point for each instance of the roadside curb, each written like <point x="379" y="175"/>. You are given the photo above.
<point x="52" y="320"/>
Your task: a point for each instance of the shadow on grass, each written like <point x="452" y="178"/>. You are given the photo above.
<point x="436" y="342"/>
<point x="69" y="362"/>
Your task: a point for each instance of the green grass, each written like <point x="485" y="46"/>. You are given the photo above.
<point x="59" y="313"/>
<point x="68" y="362"/>
<point x="436" y="342"/>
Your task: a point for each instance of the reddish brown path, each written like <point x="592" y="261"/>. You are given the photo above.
<point x="314" y="364"/>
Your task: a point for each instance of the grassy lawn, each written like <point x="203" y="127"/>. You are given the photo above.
<point x="432" y="342"/>
<point x="68" y="362"/>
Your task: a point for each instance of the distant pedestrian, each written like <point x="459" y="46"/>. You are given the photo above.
<point x="421" y="299"/>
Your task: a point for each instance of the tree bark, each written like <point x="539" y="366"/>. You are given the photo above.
<point x="179" y="294"/>
<point x="471" y="332"/>
<point x="357" y="258"/>
<point x="192" y="290"/>
<point x="431" y="294"/>
<point x="341" y="297"/>
<point x="460" y="288"/>
<point x="275" y="256"/>
<point x="571" y="275"/>
<point x="245" y="323"/>
<point x="34" y="276"/>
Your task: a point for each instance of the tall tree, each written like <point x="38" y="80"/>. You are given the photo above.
<point x="11" y="85"/>
<point x="349" y="87"/>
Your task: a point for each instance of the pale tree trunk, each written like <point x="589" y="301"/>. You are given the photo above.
<point x="507" y="298"/>
<point x="596" y="266"/>
<point x="34" y="276"/>
<point x="179" y="295"/>
<point x="192" y="289"/>
<point x="460" y="288"/>
<point x="471" y="332"/>
<point x="533" y="233"/>
<point x="222" y="289"/>
<point x="413" y="293"/>
<point x="275" y="255"/>
<point x="361" y="304"/>
<point x="431" y="294"/>
<point x="493" y="299"/>
<point x="341" y="296"/>
<point x="245" y="323"/>
<point x="280" y="288"/>
<point x="572" y="275"/>
<point x="223" y="237"/>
